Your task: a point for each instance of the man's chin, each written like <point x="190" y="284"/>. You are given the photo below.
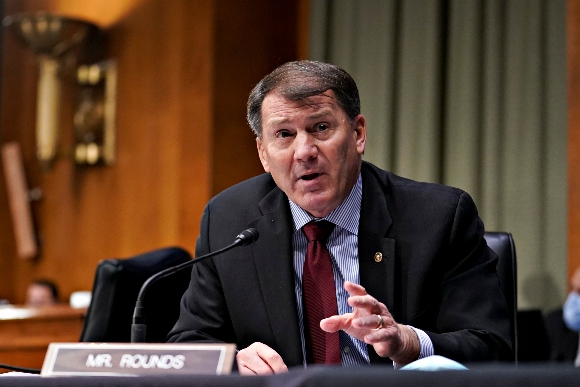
<point x="317" y="207"/>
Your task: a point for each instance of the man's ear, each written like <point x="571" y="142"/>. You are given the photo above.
<point x="360" y="127"/>
<point x="262" y="154"/>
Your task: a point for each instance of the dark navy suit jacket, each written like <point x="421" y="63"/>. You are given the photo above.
<point x="437" y="273"/>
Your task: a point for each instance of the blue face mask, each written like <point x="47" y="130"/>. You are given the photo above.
<point x="571" y="311"/>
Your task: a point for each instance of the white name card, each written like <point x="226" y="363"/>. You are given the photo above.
<point x="124" y="359"/>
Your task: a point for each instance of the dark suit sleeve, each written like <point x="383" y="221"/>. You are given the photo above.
<point x="469" y="321"/>
<point x="211" y="321"/>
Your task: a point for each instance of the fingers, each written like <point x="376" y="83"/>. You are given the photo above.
<point x="368" y="313"/>
<point x="347" y="322"/>
<point x="354" y="289"/>
<point x="359" y="298"/>
<point x="385" y="341"/>
<point x="335" y="323"/>
<point x="373" y="322"/>
<point x="369" y="305"/>
<point x="388" y="332"/>
<point x="259" y="359"/>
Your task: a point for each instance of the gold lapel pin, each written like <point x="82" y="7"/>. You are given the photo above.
<point x="378" y="257"/>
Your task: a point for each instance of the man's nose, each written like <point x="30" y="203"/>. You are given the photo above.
<point x="305" y="147"/>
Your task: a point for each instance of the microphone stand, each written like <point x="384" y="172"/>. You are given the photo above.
<point x="139" y="327"/>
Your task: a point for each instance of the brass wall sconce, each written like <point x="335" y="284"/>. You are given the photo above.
<point x="71" y="49"/>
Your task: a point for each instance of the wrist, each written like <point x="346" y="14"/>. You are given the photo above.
<point x="410" y="347"/>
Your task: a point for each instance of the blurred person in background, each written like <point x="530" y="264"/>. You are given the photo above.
<point x="41" y="292"/>
<point x="571" y="309"/>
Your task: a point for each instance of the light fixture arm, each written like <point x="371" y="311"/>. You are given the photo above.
<point x="47" y="111"/>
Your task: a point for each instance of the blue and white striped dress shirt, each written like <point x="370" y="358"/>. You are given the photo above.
<point x="343" y="248"/>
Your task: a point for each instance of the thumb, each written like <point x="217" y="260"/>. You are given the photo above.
<point x="335" y="323"/>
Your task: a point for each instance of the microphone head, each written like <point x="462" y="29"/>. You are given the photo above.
<point x="247" y="237"/>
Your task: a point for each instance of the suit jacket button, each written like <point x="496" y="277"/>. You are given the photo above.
<point x="378" y="257"/>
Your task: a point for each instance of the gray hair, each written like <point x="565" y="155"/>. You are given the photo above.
<point x="302" y="79"/>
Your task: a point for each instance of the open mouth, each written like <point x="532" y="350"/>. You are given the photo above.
<point x="310" y="176"/>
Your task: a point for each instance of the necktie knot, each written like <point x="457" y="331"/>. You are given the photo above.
<point x="318" y="230"/>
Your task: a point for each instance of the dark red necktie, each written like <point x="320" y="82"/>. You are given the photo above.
<point x="319" y="293"/>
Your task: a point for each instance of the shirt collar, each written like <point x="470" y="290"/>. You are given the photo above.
<point x="346" y="215"/>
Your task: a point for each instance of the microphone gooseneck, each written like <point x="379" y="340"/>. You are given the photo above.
<point x="139" y="327"/>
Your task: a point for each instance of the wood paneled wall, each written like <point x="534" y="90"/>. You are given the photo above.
<point x="185" y="69"/>
<point x="573" y="67"/>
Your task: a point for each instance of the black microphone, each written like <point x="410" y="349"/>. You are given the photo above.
<point x="139" y="327"/>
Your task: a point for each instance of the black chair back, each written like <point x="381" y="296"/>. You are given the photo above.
<point x="115" y="289"/>
<point x="502" y="244"/>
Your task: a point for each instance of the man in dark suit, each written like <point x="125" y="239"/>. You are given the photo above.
<point x="412" y="272"/>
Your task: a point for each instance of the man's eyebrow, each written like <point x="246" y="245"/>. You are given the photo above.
<point x="277" y="121"/>
<point x="320" y="113"/>
<point x="315" y="115"/>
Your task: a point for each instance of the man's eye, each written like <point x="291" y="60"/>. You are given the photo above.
<point x="321" y="127"/>
<point x="283" y="134"/>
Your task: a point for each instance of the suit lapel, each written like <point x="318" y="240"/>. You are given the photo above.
<point x="274" y="265"/>
<point x="376" y="252"/>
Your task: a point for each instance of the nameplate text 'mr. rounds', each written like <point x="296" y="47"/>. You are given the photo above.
<point x="119" y="359"/>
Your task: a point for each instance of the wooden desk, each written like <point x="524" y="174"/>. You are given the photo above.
<point x="25" y="332"/>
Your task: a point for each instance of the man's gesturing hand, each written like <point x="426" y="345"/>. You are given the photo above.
<point x="371" y="322"/>
<point x="259" y="359"/>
